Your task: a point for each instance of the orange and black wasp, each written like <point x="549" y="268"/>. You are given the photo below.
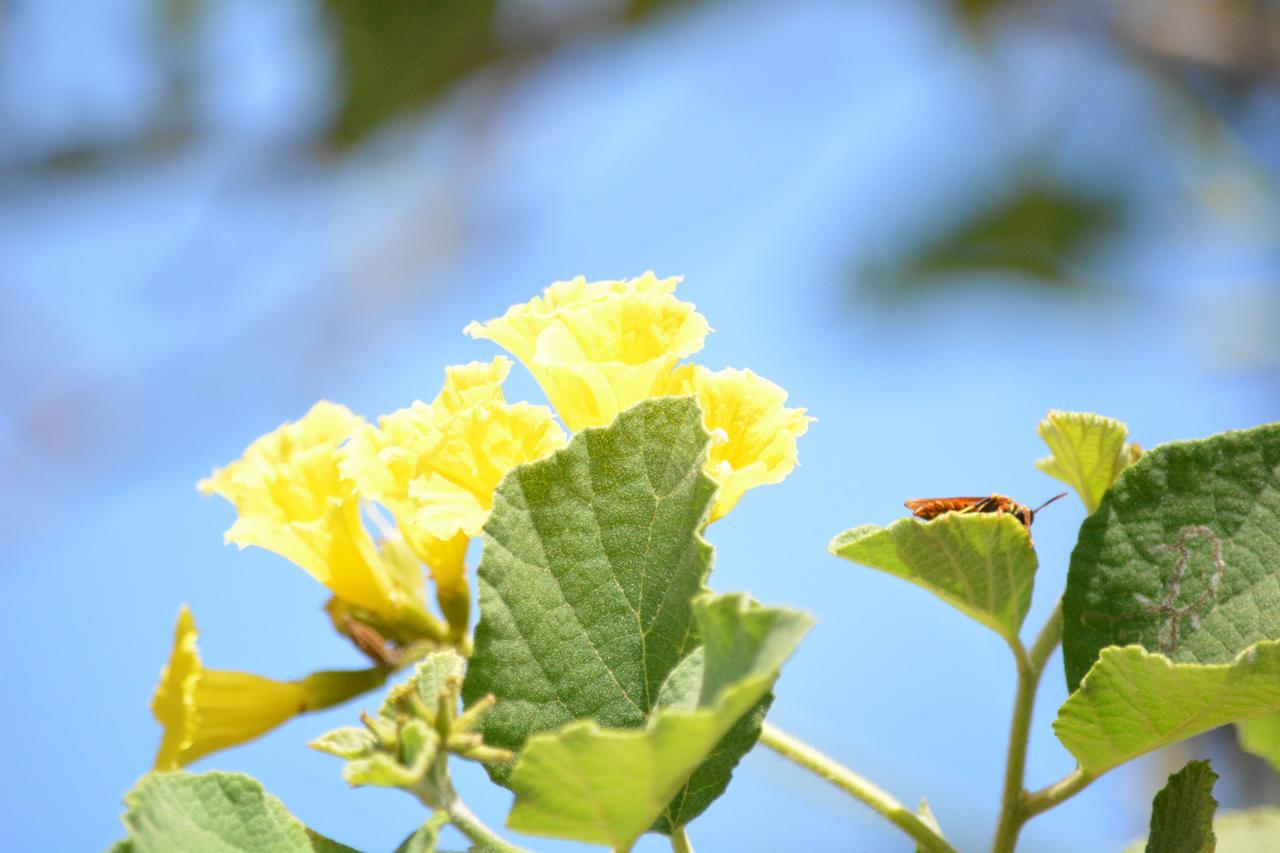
<point x="928" y="508"/>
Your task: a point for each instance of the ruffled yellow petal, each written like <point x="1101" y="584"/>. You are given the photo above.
<point x="204" y="710"/>
<point x="597" y="348"/>
<point x="291" y="498"/>
<point x="753" y="434"/>
<point x="435" y="467"/>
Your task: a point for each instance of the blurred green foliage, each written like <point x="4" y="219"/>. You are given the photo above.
<point x="399" y="55"/>
<point x="1040" y="233"/>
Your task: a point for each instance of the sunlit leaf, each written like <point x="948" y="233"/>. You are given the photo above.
<point x="214" y="813"/>
<point x="608" y="786"/>
<point x="1089" y="452"/>
<point x="1133" y="701"/>
<point x="982" y="563"/>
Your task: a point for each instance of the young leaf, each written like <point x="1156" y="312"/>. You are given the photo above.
<point x="1182" y="556"/>
<point x="982" y="564"/>
<point x="214" y="813"/>
<point x="425" y="838"/>
<point x="1260" y="736"/>
<point x="1133" y="701"/>
<point x="1182" y="813"/>
<point x="1089" y="452"/>
<point x="608" y="786"/>
<point x="591" y="557"/>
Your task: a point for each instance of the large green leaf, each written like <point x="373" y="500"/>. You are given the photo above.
<point x="1182" y="556"/>
<point x="607" y="785"/>
<point x="1261" y="737"/>
<point x="1133" y="701"/>
<point x="1182" y="813"/>
<point x="214" y="813"/>
<point x="981" y="564"/>
<point x="591" y="558"/>
<point x="1089" y="452"/>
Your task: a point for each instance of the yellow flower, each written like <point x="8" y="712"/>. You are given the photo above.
<point x="753" y="435"/>
<point x="435" y="467"/>
<point x="291" y="498"/>
<point x="601" y="347"/>
<point x="205" y="710"/>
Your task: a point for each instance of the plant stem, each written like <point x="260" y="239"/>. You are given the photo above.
<point x="1064" y="789"/>
<point x="471" y="826"/>
<point x="680" y="841"/>
<point x="853" y="784"/>
<point x="1030" y="666"/>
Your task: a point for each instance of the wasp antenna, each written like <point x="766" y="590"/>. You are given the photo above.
<point x="1046" y="503"/>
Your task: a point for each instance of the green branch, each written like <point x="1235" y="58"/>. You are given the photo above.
<point x="854" y="785"/>
<point x="471" y="826"/>
<point x="1013" y="811"/>
<point x="680" y="841"/>
<point x="1064" y="789"/>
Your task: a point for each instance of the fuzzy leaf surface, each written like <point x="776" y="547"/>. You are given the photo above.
<point x="1182" y="556"/>
<point x="607" y="785"/>
<point x="214" y="813"/>
<point x="1133" y="701"/>
<point x="1088" y="452"/>
<point x="982" y="564"/>
<point x="591" y="559"/>
<point x="1182" y="813"/>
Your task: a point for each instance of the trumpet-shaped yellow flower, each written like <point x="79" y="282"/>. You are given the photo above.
<point x="205" y="710"/>
<point x="435" y="467"/>
<point x="597" y="348"/>
<point x="753" y="434"/>
<point x="292" y="498"/>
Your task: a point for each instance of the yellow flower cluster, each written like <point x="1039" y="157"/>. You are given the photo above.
<point x="307" y="489"/>
<point x="597" y="348"/>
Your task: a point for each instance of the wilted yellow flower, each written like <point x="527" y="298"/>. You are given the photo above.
<point x="436" y="467"/>
<point x="292" y="498"/>
<point x="205" y="710"/>
<point x="597" y="348"/>
<point x="753" y="434"/>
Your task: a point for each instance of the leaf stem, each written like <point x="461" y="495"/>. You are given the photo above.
<point x="851" y="783"/>
<point x="1031" y="665"/>
<point x="1051" y="795"/>
<point x="680" y="841"/>
<point x="472" y="827"/>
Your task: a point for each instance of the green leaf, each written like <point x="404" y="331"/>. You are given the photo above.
<point x="425" y="838"/>
<point x="214" y="813"/>
<point x="1248" y="831"/>
<point x="1182" y="813"/>
<point x="418" y="746"/>
<point x="1182" y="556"/>
<point x="1038" y="232"/>
<point x="608" y="786"/>
<point x="982" y="564"/>
<point x="1089" y="452"/>
<point x="1133" y="701"/>
<point x="1261" y="737"/>
<point x="590" y="560"/>
<point x="397" y="57"/>
<point x="346" y="742"/>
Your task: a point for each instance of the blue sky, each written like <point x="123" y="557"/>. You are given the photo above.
<point x="159" y="316"/>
